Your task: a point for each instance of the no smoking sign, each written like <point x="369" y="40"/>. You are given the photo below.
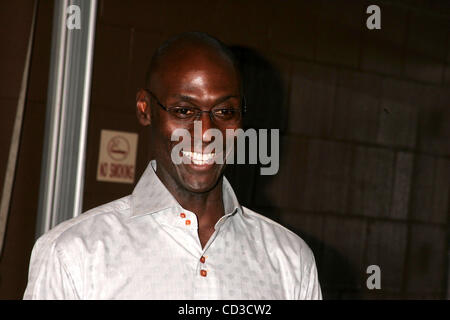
<point x="117" y="156"/>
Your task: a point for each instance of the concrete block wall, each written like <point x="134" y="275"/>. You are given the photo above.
<point x="364" y="116"/>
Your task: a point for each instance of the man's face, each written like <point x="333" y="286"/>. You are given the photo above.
<point x="204" y="82"/>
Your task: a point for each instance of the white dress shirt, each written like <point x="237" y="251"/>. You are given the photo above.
<point x="146" y="246"/>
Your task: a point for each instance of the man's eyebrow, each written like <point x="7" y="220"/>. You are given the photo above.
<point x="192" y="99"/>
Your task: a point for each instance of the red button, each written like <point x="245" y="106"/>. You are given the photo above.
<point x="203" y="273"/>
<point x="182" y="215"/>
<point x="188" y="222"/>
<point x="202" y="259"/>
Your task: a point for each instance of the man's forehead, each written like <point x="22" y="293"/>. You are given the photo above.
<point x="195" y="71"/>
<point x="187" y="55"/>
<point x="194" y="58"/>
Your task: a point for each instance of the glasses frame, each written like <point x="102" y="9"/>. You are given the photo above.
<point x="198" y="112"/>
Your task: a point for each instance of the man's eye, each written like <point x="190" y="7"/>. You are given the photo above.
<point x="226" y="112"/>
<point x="184" y="112"/>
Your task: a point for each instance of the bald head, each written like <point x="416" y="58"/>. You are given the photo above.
<point x="189" y="50"/>
<point x="192" y="71"/>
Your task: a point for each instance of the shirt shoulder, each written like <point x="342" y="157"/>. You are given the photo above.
<point x="90" y="222"/>
<point x="287" y="252"/>
<point x="279" y="238"/>
<point x="57" y="258"/>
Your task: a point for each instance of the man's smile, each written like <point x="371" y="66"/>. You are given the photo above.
<point x="199" y="159"/>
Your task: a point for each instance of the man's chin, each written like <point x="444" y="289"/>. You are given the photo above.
<point x="199" y="178"/>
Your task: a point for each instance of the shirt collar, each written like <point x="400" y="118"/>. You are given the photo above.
<point x="150" y="195"/>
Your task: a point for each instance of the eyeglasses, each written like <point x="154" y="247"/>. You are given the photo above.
<point x="219" y="114"/>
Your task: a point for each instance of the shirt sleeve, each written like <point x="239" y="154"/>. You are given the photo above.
<point x="49" y="278"/>
<point x="310" y="286"/>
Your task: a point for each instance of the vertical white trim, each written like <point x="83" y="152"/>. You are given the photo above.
<point x="62" y="176"/>
<point x="85" y="110"/>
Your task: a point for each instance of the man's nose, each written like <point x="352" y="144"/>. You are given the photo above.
<point x="207" y="124"/>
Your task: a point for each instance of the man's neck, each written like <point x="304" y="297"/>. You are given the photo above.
<point x="208" y="206"/>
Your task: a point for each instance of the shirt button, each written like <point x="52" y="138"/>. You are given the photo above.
<point x="188" y="222"/>
<point x="202" y="259"/>
<point x="203" y="273"/>
<point x="182" y="215"/>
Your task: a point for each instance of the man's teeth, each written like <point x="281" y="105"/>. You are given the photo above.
<point x="199" y="158"/>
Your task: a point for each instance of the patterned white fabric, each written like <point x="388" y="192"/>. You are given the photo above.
<point x="141" y="247"/>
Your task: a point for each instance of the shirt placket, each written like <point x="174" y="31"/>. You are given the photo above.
<point x="206" y="282"/>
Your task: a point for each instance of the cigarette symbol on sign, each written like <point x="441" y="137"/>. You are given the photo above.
<point x="118" y="148"/>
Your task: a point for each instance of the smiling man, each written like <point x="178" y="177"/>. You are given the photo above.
<point x="182" y="233"/>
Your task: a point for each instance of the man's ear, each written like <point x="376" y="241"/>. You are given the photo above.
<point x="143" y="111"/>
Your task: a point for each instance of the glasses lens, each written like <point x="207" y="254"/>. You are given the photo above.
<point x="222" y="115"/>
<point x="182" y="112"/>
<point x="227" y="114"/>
